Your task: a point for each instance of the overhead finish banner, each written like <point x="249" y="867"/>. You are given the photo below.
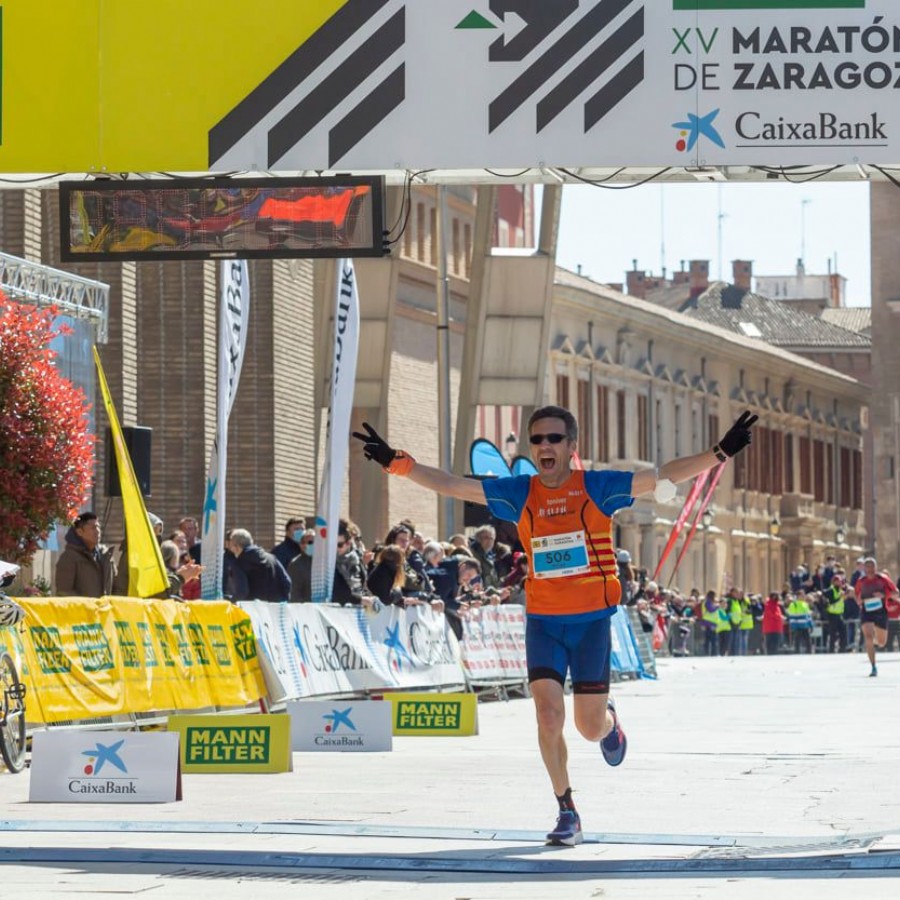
<point x="288" y="85"/>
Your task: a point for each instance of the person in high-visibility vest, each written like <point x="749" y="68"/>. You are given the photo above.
<point x="833" y="626"/>
<point x="736" y="617"/>
<point x="723" y="629"/>
<point x="800" y="622"/>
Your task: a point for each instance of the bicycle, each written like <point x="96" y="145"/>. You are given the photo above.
<point x="12" y="701"/>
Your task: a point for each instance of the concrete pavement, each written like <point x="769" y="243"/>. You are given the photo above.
<point x="743" y="775"/>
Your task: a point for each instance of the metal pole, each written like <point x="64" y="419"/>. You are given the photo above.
<point x="446" y="521"/>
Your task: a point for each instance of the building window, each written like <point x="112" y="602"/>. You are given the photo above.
<point x="457" y="249"/>
<point x="467" y="248"/>
<point x="678" y="448"/>
<point x="857" y="479"/>
<point x="819" y="471"/>
<point x="584" y="418"/>
<point x="434" y="236"/>
<point x="420" y="232"/>
<point x="829" y="472"/>
<point x="602" y="423"/>
<point x="806" y="481"/>
<point x="776" y="451"/>
<point x="845" y="498"/>
<point x="713" y="423"/>
<point x="621" y="444"/>
<point x="643" y="427"/>
<point x="788" y="464"/>
<point x="562" y="390"/>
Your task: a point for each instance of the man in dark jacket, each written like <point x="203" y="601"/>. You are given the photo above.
<point x="266" y="577"/>
<point x="85" y="568"/>
<point x="284" y="552"/>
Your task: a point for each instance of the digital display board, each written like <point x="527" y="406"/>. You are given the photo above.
<point x="221" y="218"/>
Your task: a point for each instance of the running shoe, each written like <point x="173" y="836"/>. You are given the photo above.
<point x="615" y="743"/>
<point x="567" y="832"/>
<point x="874" y="672"/>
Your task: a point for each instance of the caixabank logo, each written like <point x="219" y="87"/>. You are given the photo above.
<point x="104" y="772"/>
<point x="339" y="730"/>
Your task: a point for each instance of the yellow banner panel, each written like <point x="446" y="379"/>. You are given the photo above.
<point x="234" y="743"/>
<point x="108" y="85"/>
<point x="85" y="658"/>
<point x="434" y="714"/>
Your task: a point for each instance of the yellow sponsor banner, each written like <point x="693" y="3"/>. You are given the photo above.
<point x="434" y="714"/>
<point x="107" y="85"/>
<point x="234" y="743"/>
<point x="85" y="658"/>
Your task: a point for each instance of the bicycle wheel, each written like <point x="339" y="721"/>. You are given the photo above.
<point x="12" y="727"/>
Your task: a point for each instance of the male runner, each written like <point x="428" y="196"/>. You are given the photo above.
<point x="564" y="519"/>
<point x="871" y="592"/>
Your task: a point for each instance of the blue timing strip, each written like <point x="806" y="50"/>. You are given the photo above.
<point x="453" y="863"/>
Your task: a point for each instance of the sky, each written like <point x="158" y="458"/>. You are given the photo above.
<point x="769" y="224"/>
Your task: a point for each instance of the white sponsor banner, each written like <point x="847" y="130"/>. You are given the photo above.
<point x="311" y="650"/>
<point x="341" y="725"/>
<point x="577" y="83"/>
<point x="337" y="434"/>
<point x="104" y="767"/>
<point x="493" y="644"/>
<point x="234" y="317"/>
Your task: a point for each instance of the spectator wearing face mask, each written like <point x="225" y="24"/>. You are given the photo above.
<point x="294" y="529"/>
<point x="300" y="569"/>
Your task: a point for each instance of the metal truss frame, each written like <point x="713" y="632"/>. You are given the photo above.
<point x="81" y="298"/>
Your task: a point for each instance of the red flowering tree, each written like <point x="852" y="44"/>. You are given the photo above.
<point x="46" y="450"/>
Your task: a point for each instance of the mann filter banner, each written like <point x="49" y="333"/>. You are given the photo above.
<point x="348" y="84"/>
<point x="220" y="744"/>
<point x="434" y="714"/>
<point x="83" y="658"/>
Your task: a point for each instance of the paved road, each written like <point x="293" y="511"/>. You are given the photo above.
<point x="744" y="776"/>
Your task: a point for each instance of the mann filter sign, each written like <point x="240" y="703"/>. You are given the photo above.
<point x="434" y="714"/>
<point x="213" y="744"/>
<point x="379" y="85"/>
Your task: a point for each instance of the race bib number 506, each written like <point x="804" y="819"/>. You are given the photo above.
<point x="557" y="555"/>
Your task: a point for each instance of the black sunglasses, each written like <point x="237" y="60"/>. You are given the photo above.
<point x="552" y="438"/>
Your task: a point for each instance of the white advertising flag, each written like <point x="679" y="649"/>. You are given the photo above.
<point x="337" y="434"/>
<point x="234" y="320"/>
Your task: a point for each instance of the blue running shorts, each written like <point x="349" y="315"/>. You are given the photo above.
<point x="581" y="649"/>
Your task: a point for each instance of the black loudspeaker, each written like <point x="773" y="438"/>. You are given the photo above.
<point x="138" y="440"/>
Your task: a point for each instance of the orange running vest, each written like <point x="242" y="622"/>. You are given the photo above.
<point x="563" y="510"/>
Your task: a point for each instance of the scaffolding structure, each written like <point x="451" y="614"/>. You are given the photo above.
<point x="80" y="298"/>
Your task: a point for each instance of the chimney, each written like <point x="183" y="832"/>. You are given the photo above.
<point x="742" y="274"/>
<point x="801" y="268"/>
<point x="637" y="286"/>
<point x="699" y="276"/>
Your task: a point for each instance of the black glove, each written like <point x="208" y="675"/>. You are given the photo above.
<point x="737" y="437"/>
<point x="375" y="447"/>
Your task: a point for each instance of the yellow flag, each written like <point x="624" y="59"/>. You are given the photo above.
<point x="146" y="569"/>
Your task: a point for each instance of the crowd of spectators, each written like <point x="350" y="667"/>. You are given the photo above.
<point x="817" y="610"/>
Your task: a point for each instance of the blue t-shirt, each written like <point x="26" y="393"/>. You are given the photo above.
<point x="609" y="490"/>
